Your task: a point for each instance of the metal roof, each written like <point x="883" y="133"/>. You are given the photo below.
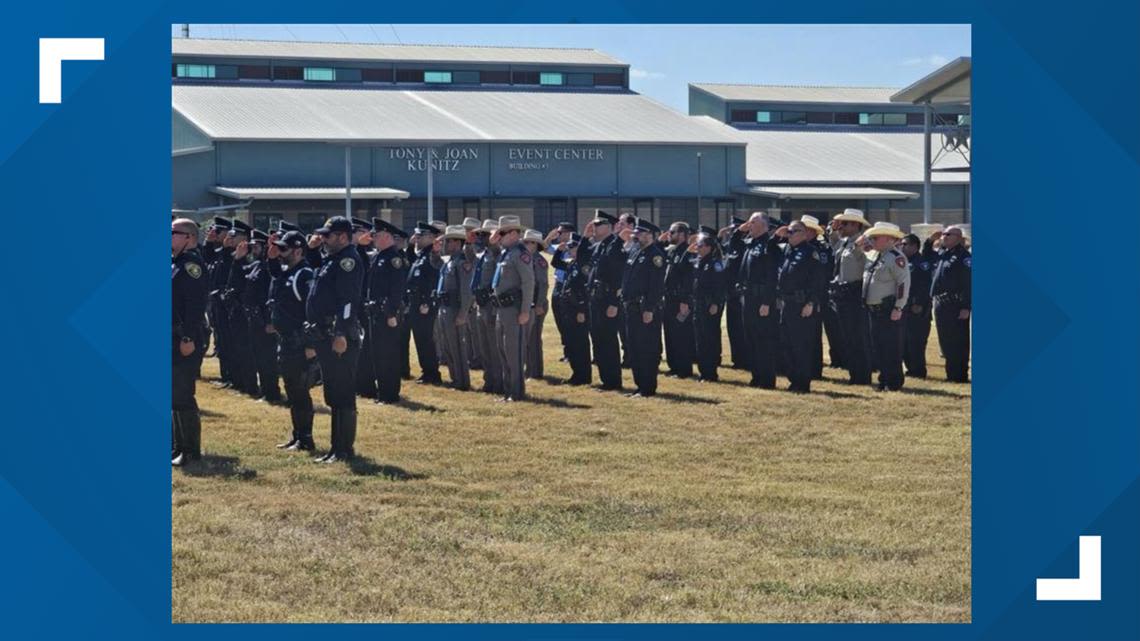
<point x="949" y="83"/>
<point x="797" y="93"/>
<point x="804" y="156"/>
<point x="372" y="116"/>
<point x="204" y="47"/>
<point x="827" y="193"/>
<point x="307" y="193"/>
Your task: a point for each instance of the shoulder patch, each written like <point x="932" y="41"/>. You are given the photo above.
<point x="658" y="261"/>
<point x="194" y="270"/>
<point x="966" y="261"/>
<point x="815" y="254"/>
<point x="900" y="261"/>
<point x="541" y="262"/>
<point x="524" y="257"/>
<point x="466" y="266"/>
<point x="397" y="262"/>
<point x="347" y="264"/>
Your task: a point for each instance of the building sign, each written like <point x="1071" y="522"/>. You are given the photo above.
<point x="539" y="158"/>
<point x="444" y="159"/>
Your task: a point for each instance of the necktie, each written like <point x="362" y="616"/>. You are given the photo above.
<point x="498" y="272"/>
<point x="439" y="283"/>
<point x="477" y="278"/>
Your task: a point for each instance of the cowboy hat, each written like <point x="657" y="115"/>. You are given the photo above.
<point x="850" y="215"/>
<point x="882" y="228"/>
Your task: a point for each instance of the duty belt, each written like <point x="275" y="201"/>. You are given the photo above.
<point x="884" y="305"/>
<point x="948" y="297"/>
<point x="506" y="299"/>
<point x="483" y="296"/>
<point x="800" y="296"/>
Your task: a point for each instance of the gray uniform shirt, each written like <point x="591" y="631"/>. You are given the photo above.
<point x="887" y="275"/>
<point x="516" y="272"/>
<point x="850" y="260"/>
<point x="456" y="273"/>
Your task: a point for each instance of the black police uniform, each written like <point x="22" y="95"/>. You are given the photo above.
<point x="410" y="255"/>
<point x="710" y="287"/>
<point x="559" y="265"/>
<point x="680" y="342"/>
<point x="422" y="312"/>
<point x="574" y="299"/>
<point x="756" y="281"/>
<point x="242" y="363"/>
<point x="733" y="250"/>
<point x="828" y="321"/>
<point x="287" y="296"/>
<point x="332" y="309"/>
<point x="642" y="287"/>
<point x="916" y="330"/>
<point x="255" y="300"/>
<point x="950" y="288"/>
<point x="190" y="291"/>
<point x="607" y="263"/>
<point x="365" y="368"/>
<point x="797" y="285"/>
<point x="847" y="304"/>
<point x="218" y="273"/>
<point x="384" y="299"/>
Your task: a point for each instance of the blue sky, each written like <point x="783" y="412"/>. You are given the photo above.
<point x="665" y="58"/>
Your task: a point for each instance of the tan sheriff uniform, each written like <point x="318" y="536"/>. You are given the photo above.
<point x="514" y="291"/>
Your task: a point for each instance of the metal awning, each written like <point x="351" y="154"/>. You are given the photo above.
<point x="825" y="193"/>
<point x="308" y="193"/>
<point x="947" y="84"/>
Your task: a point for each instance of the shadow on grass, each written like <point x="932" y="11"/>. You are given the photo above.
<point x="210" y="413"/>
<point x="413" y="406"/>
<point x="686" y="398"/>
<point x="225" y="467"/>
<point x="365" y="466"/>
<point x="555" y="402"/>
<point x="933" y="392"/>
<point x="831" y="394"/>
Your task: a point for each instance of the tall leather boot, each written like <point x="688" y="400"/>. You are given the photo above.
<point x="302" y="430"/>
<point x="348" y="434"/>
<point x="333" y="441"/>
<point x="177" y="440"/>
<point x="173" y="436"/>
<point x="192" y="435"/>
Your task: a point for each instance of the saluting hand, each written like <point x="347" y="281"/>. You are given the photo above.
<point x="315" y="241"/>
<point x="274" y="251"/>
<point x="241" y="250"/>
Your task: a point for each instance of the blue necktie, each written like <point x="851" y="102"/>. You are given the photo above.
<point x="478" y="277"/>
<point x="498" y="272"/>
<point x="439" y="283"/>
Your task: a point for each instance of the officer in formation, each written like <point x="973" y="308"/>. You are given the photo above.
<point x="471" y="225"/>
<point x="573" y="307"/>
<point x="916" y="327"/>
<point x="217" y="253"/>
<point x="642" y="287"/>
<point x="512" y="291"/>
<point x="818" y="238"/>
<point x="242" y="365"/>
<point x="190" y="292"/>
<point x="555" y="240"/>
<point x="486" y="258"/>
<point x="296" y="352"/>
<point x="732" y="246"/>
<point x="535" y="244"/>
<point x="255" y="298"/>
<point x="951" y="291"/>
<point x="605" y="270"/>
<point x="756" y="283"/>
<point x="365" y="376"/>
<point x="677" y="313"/>
<point x="453" y="299"/>
<point x="798" y="297"/>
<point x="886" y="288"/>
<point x="710" y="287"/>
<point x="385" y="281"/>
<point x="850" y="261"/>
<point x="422" y="309"/>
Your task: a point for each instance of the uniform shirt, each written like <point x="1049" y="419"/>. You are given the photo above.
<point x="678" y="273"/>
<point x="367" y="253"/>
<point x="759" y="265"/>
<point x="257" y="277"/>
<point x="236" y="282"/>
<point x="733" y="249"/>
<point x="541" y="278"/>
<point x="556" y="261"/>
<point x="423" y="278"/>
<point x="850" y="261"/>
<point x="484" y="269"/>
<point x="190" y="289"/>
<point x="287" y="295"/>
<point x="336" y="291"/>
<point x="514" y="272"/>
<point x="606" y="266"/>
<point x="574" y="291"/>
<point x="644" y="277"/>
<point x="886" y="276"/>
<point x="710" y="281"/>
<point x="387" y="277"/>
<point x="453" y="276"/>
<point x="920" y="277"/>
<point x="798" y="275"/>
<point x="952" y="275"/>
<point x="219" y="270"/>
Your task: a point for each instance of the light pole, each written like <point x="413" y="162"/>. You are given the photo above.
<point x="698" y="188"/>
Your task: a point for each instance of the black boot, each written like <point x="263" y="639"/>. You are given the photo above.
<point x="348" y="431"/>
<point x="176" y="439"/>
<point x="192" y="433"/>
<point x="333" y="441"/>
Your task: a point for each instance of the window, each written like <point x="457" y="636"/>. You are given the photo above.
<point x="793" y="117"/>
<point x="319" y="74"/>
<point x="471" y="208"/>
<point x="376" y="75"/>
<point x="465" y="77"/>
<point x="550" y="78"/>
<point x="609" y="80"/>
<point x="870" y="119"/>
<point x="820" y="117"/>
<point x="495" y="77"/>
<point x="643" y="208"/>
<point x="725" y="210"/>
<point x="882" y="119"/>
<point x="437" y="77"/>
<point x="310" y="221"/>
<point x="580" y="79"/>
<point x="524" y="77"/>
<point x="409" y="75"/>
<point x="288" y="73"/>
<point x="348" y="75"/>
<point x="964" y="120"/>
<point x="679" y="209"/>
<point x="195" y="71"/>
<point x="894" y="120"/>
<point x="914" y="119"/>
<point x="743" y="115"/>
<point x="253" y="72"/>
<point x="846" y="118"/>
<point x="763" y="116"/>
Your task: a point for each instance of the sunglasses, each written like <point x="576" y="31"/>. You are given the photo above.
<point x="175" y="232"/>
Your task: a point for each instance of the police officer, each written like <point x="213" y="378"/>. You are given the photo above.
<point x="190" y="291"/>
<point x="951" y="292"/>
<point x="798" y="296"/>
<point x="384" y="299"/>
<point x="759" y="263"/>
<point x="732" y="248"/>
<point x="677" y="314"/>
<point x="365" y="374"/>
<point x="710" y="286"/>
<point x="513" y="294"/>
<point x="422" y="310"/>
<point x="486" y="258"/>
<point x="886" y="286"/>
<point x="255" y="300"/>
<point x="846" y="293"/>
<point x="474" y="357"/>
<point x="453" y="296"/>
<point x="916" y="329"/>
<point x="535" y="244"/>
<point x="642" y="290"/>
<point x="823" y="319"/>
<point x="295" y="351"/>
<point x="606" y="266"/>
<point x="556" y="240"/>
<point x="406" y="247"/>
<point x="332" y="310"/>
<point x="242" y="363"/>
<point x="219" y="257"/>
<point x="574" y="307"/>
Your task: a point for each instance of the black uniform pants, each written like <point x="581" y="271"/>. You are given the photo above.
<point x="604" y="336"/>
<point x="385" y="357"/>
<point x="853" y="325"/>
<point x="679" y="340"/>
<point x="916" y="333"/>
<point x="576" y="341"/>
<point x="184" y="375"/>
<point x="737" y="341"/>
<point x="264" y="358"/>
<point x="294" y="372"/>
<point x="707" y="339"/>
<point x="644" y="347"/>
<point x="338" y="373"/>
<point x="762" y="334"/>
<point x="405" y="342"/>
<point x="797" y="333"/>
<point x="886" y="340"/>
<point x="423" y="332"/>
<point x="556" y="309"/>
<point x="954" y="339"/>
<point x="366" y="368"/>
<point x="216" y="314"/>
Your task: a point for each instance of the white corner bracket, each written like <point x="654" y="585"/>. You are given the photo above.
<point x="53" y="51"/>
<point x="1086" y="587"/>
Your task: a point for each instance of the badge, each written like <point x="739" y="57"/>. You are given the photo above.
<point x="900" y="261"/>
<point x="658" y="261"/>
<point x="397" y="262"/>
<point x="718" y="266"/>
<point x="924" y="266"/>
<point x="347" y="264"/>
<point x="525" y="258"/>
<point x="194" y="269"/>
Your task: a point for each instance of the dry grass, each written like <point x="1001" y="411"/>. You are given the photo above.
<point x="712" y="502"/>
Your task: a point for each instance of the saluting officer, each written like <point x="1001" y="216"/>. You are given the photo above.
<point x="513" y="290"/>
<point x="243" y="364"/>
<point x="574" y="306"/>
<point x="471" y="225"/>
<point x="406" y="247"/>
<point x="190" y="291"/>
<point x="295" y="351"/>
<point x="365" y="373"/>
<point x="823" y="250"/>
<point x="535" y="244"/>
<point x="756" y="280"/>
<point x="916" y="329"/>
<point x="607" y="263"/>
<point x="710" y="286"/>
<point x="677" y="321"/>
<point x="422" y="309"/>
<point x="886" y="285"/>
<point x="642" y="288"/>
<point x="333" y="310"/>
<point x="951" y="291"/>
<point x="453" y="294"/>
<point x="732" y="246"/>
<point x="486" y="258"/>
<point x="255" y="299"/>
<point x="555" y="240"/>
<point x="845" y="293"/>
<point x="798" y="297"/>
<point x="384" y="299"/>
<point x="219" y="257"/>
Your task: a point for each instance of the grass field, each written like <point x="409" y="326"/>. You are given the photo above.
<point x="711" y="502"/>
